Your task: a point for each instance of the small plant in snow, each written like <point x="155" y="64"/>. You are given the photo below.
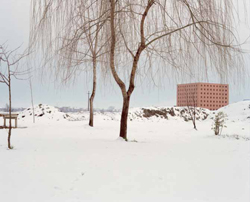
<point x="219" y="123"/>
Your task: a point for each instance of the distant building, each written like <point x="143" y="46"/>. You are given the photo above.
<point x="206" y="95"/>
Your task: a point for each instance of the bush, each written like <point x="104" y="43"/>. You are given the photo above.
<point x="219" y="123"/>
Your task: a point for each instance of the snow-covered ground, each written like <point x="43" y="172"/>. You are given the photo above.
<point x="61" y="160"/>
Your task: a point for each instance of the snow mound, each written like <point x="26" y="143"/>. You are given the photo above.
<point x="239" y="111"/>
<point x="106" y="116"/>
<point x="146" y="113"/>
<point x="151" y="113"/>
<point x="236" y="112"/>
<point x="43" y="112"/>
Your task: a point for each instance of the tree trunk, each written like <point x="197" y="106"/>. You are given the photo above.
<point x="121" y="84"/>
<point x="216" y="130"/>
<point x="124" y="118"/>
<point x="194" y="119"/>
<point x="194" y="125"/>
<point x="91" y="100"/>
<point x="123" y="123"/>
<point x="32" y="102"/>
<point x="9" y="134"/>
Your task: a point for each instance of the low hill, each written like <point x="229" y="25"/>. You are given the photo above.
<point x="42" y="113"/>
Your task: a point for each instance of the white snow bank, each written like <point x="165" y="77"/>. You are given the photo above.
<point x="42" y="113"/>
<point x="156" y="113"/>
<point x="236" y="112"/>
<point x="239" y="111"/>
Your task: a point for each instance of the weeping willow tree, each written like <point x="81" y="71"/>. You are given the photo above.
<point x="70" y="37"/>
<point x="153" y="36"/>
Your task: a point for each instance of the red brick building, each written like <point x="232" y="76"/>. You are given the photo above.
<point x="206" y="95"/>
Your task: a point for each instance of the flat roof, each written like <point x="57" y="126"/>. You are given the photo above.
<point x="203" y="83"/>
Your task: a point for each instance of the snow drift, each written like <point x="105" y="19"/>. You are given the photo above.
<point x="43" y="112"/>
<point x="151" y="113"/>
<point x="239" y="111"/>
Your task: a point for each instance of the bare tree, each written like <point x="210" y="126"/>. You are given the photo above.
<point x="96" y="44"/>
<point x="150" y="35"/>
<point x="191" y="105"/>
<point x="9" y="63"/>
<point x="32" y="100"/>
<point x="185" y="35"/>
<point x="79" y="45"/>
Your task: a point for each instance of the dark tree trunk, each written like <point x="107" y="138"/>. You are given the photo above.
<point x="121" y="84"/>
<point x="216" y="130"/>
<point x="91" y="100"/>
<point x="9" y="134"/>
<point x="32" y="101"/>
<point x="194" y="119"/>
<point x="194" y="125"/>
<point x="124" y="118"/>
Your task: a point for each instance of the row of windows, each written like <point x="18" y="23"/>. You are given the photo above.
<point x="187" y="93"/>
<point x="187" y="96"/>
<point x="204" y="101"/>
<point x="214" y="101"/>
<point x="212" y="105"/>
<point x="190" y="102"/>
<point x="183" y="100"/>
<point x="218" y="86"/>
<point x="214" y="93"/>
<point x="188" y="85"/>
<point x="215" y="97"/>
<point x="180" y="94"/>
<point x="207" y="89"/>
<point x="188" y="89"/>
<point x="204" y="97"/>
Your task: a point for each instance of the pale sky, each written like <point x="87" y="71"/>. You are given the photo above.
<point x="14" y="30"/>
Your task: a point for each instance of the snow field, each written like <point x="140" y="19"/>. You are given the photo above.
<point x="165" y="160"/>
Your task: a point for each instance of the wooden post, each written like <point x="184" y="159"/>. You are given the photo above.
<point x="16" y="122"/>
<point x="4" y="122"/>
